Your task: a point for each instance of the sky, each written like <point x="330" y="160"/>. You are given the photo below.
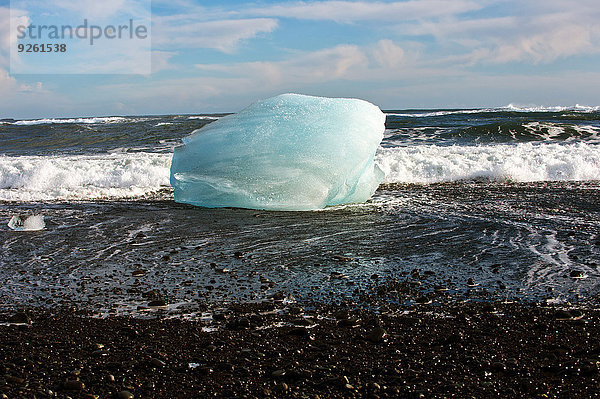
<point x="210" y="56"/>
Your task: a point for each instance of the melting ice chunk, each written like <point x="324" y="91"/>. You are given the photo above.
<point x="290" y="152"/>
<point x="27" y="223"/>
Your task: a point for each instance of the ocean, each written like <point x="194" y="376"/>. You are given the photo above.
<point x="476" y="203"/>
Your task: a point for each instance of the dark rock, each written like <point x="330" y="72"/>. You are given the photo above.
<point x="125" y="395"/>
<point x="498" y="367"/>
<point x="423" y="300"/>
<point x="342" y="314"/>
<point x="20" y="318"/>
<point x="488" y="308"/>
<point x="278" y="373"/>
<point x="562" y="315"/>
<point x="302" y="322"/>
<point x="299" y="331"/>
<point x="373" y="386"/>
<point x="376" y="335"/>
<point x="14" y="380"/>
<point x="348" y="323"/>
<point x="157" y="303"/>
<point x="239" y="324"/>
<point x="219" y="317"/>
<point x="281" y="386"/>
<point x="278" y="296"/>
<point x="576" y="274"/>
<point x="73" y="385"/>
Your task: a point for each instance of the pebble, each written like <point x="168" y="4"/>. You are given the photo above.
<point x="125" y="395"/>
<point x="488" y="308"/>
<point x="563" y="315"/>
<point x="341" y="258"/>
<point x="295" y="310"/>
<point x="20" y="318"/>
<point x="241" y="323"/>
<point x="73" y="385"/>
<point x="337" y="275"/>
<point x="342" y="314"/>
<point x="138" y="273"/>
<point x="376" y="335"/>
<point x="498" y="367"/>
<point x="278" y="373"/>
<point x="158" y="303"/>
<point x="423" y="300"/>
<point x="302" y="322"/>
<point x="577" y="274"/>
<point x="282" y="386"/>
<point x="14" y="380"/>
<point x="219" y="317"/>
<point x="471" y="282"/>
<point x="157" y="363"/>
<point x="348" y="323"/>
<point x="374" y="386"/>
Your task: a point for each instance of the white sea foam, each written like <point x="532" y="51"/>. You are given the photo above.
<point x="138" y="174"/>
<point x="119" y="175"/>
<point x="521" y="162"/>
<point x="208" y="118"/>
<point x="111" y="119"/>
<point x="509" y="108"/>
<point x="440" y="113"/>
<point x="558" y="108"/>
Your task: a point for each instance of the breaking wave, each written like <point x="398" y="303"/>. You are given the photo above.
<point x="522" y="162"/>
<point x="107" y="176"/>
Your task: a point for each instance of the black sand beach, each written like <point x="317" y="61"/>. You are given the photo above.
<point x="468" y="349"/>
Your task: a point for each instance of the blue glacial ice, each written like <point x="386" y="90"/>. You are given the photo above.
<point x="290" y="152"/>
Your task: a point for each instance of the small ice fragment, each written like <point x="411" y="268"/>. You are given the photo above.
<point x="27" y="223"/>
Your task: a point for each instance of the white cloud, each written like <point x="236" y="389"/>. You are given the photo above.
<point x="538" y="34"/>
<point x="339" y="62"/>
<point x="388" y="54"/>
<point x="224" y="35"/>
<point x="93" y="8"/>
<point x="161" y="60"/>
<point x="353" y="11"/>
<point x="17" y="97"/>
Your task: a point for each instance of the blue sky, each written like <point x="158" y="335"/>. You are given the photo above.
<point x="215" y="57"/>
